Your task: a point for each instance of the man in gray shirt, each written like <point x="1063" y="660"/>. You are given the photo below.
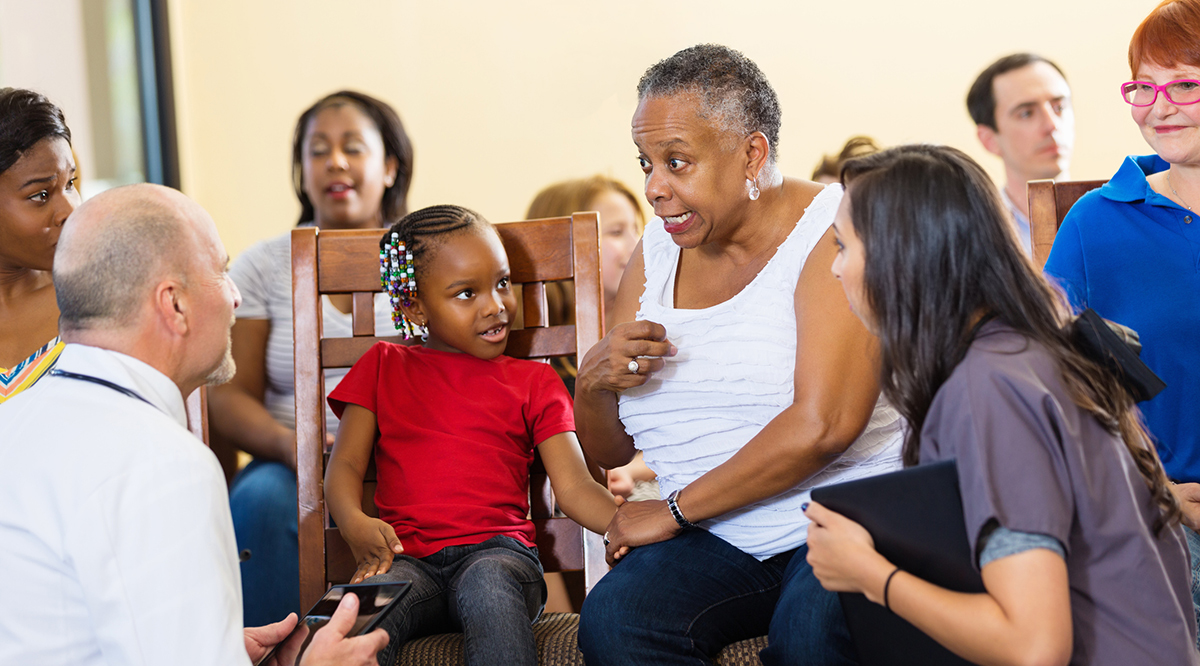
<point x="1021" y="105"/>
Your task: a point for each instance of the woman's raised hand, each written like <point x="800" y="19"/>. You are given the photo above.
<point x="610" y="365"/>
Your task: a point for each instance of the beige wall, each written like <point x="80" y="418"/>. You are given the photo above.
<point x="502" y="98"/>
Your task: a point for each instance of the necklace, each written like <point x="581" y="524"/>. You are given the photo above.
<point x="1185" y="204"/>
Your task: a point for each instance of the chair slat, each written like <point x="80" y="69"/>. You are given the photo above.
<point x="541" y="496"/>
<point x="1049" y="203"/>
<point x="343" y="269"/>
<point x="310" y="414"/>
<point x="534" y="304"/>
<point x="344" y="352"/>
<point x="363" y="313"/>
<point x="541" y="342"/>
<point x="538" y="250"/>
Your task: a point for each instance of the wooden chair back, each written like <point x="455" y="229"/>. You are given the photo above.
<point x="196" y="405"/>
<point x="341" y="262"/>
<point x="1048" y="205"/>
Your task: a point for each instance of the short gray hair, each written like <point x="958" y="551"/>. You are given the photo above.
<point x="732" y="90"/>
<point x="103" y="274"/>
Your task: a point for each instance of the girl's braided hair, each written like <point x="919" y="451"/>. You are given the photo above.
<point x="405" y="244"/>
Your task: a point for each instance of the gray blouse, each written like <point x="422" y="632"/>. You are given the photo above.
<point x="1031" y="460"/>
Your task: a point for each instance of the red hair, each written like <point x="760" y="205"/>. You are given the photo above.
<point x="1170" y="35"/>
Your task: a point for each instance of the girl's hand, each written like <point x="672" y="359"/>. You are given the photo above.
<point x="374" y="544"/>
<point x="606" y="367"/>
<point x="638" y="524"/>
<point x="620" y="482"/>
<point x="842" y="554"/>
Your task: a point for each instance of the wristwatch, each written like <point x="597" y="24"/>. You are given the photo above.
<point x="673" y="505"/>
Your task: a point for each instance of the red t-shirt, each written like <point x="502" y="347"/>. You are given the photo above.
<point x="456" y="438"/>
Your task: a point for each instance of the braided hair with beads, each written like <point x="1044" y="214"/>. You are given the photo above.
<point x="403" y="245"/>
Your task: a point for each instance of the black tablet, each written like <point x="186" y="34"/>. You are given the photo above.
<point x="915" y="517"/>
<point x="375" y="601"/>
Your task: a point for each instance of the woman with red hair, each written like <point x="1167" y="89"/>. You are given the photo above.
<point x="1131" y="249"/>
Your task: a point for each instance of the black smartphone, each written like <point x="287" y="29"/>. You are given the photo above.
<point x="375" y="601"/>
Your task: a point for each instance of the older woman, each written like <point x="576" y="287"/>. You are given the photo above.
<point x="1129" y="249"/>
<point x="739" y="371"/>
<point x="37" y="193"/>
<point x="1073" y="527"/>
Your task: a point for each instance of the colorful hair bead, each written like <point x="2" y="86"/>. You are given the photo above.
<point x="398" y="278"/>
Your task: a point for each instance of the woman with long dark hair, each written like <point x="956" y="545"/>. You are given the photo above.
<point x="351" y="168"/>
<point x="1073" y="525"/>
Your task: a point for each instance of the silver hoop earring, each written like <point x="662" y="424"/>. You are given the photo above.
<point x="754" y="192"/>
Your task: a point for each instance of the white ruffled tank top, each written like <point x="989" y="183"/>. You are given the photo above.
<point x="733" y="373"/>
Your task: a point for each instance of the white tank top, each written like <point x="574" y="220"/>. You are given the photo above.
<point x="733" y="373"/>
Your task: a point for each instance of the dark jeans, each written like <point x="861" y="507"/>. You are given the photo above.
<point x="1193" y="542"/>
<point x="682" y="600"/>
<point x="262" y="502"/>
<point x="491" y="592"/>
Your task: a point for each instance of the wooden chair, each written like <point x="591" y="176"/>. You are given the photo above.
<point x="337" y="262"/>
<point x="196" y="405"/>
<point x="1048" y="205"/>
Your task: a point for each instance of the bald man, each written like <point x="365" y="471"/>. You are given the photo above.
<point x="116" y="545"/>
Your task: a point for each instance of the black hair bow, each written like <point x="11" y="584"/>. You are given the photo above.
<point x="1116" y="348"/>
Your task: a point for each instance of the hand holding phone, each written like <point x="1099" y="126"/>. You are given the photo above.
<point x="338" y="628"/>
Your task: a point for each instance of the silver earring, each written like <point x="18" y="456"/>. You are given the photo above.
<point x="754" y="192"/>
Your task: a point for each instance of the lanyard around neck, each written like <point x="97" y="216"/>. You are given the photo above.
<point x="102" y="382"/>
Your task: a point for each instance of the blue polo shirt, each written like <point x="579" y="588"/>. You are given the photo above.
<point x="1133" y="256"/>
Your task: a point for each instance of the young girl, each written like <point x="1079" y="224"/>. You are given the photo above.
<point x="457" y="423"/>
<point x="1073" y="526"/>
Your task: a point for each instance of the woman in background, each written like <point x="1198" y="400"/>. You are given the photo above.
<point x="1128" y="249"/>
<point x="37" y="193"/>
<point x="621" y="224"/>
<point x="351" y="168"/>
<point x="1073" y="527"/>
<point x="829" y="169"/>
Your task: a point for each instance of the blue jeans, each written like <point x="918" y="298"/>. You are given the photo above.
<point x="682" y="600"/>
<point x="262" y="501"/>
<point x="491" y="592"/>
<point x="1193" y="542"/>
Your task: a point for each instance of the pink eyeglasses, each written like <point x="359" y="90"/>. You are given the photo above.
<point x="1143" y="93"/>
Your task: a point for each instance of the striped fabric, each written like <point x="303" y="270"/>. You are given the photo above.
<point x="25" y="373"/>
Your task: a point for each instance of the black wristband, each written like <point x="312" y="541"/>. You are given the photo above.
<point x="887" y="585"/>
<point x="673" y="505"/>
